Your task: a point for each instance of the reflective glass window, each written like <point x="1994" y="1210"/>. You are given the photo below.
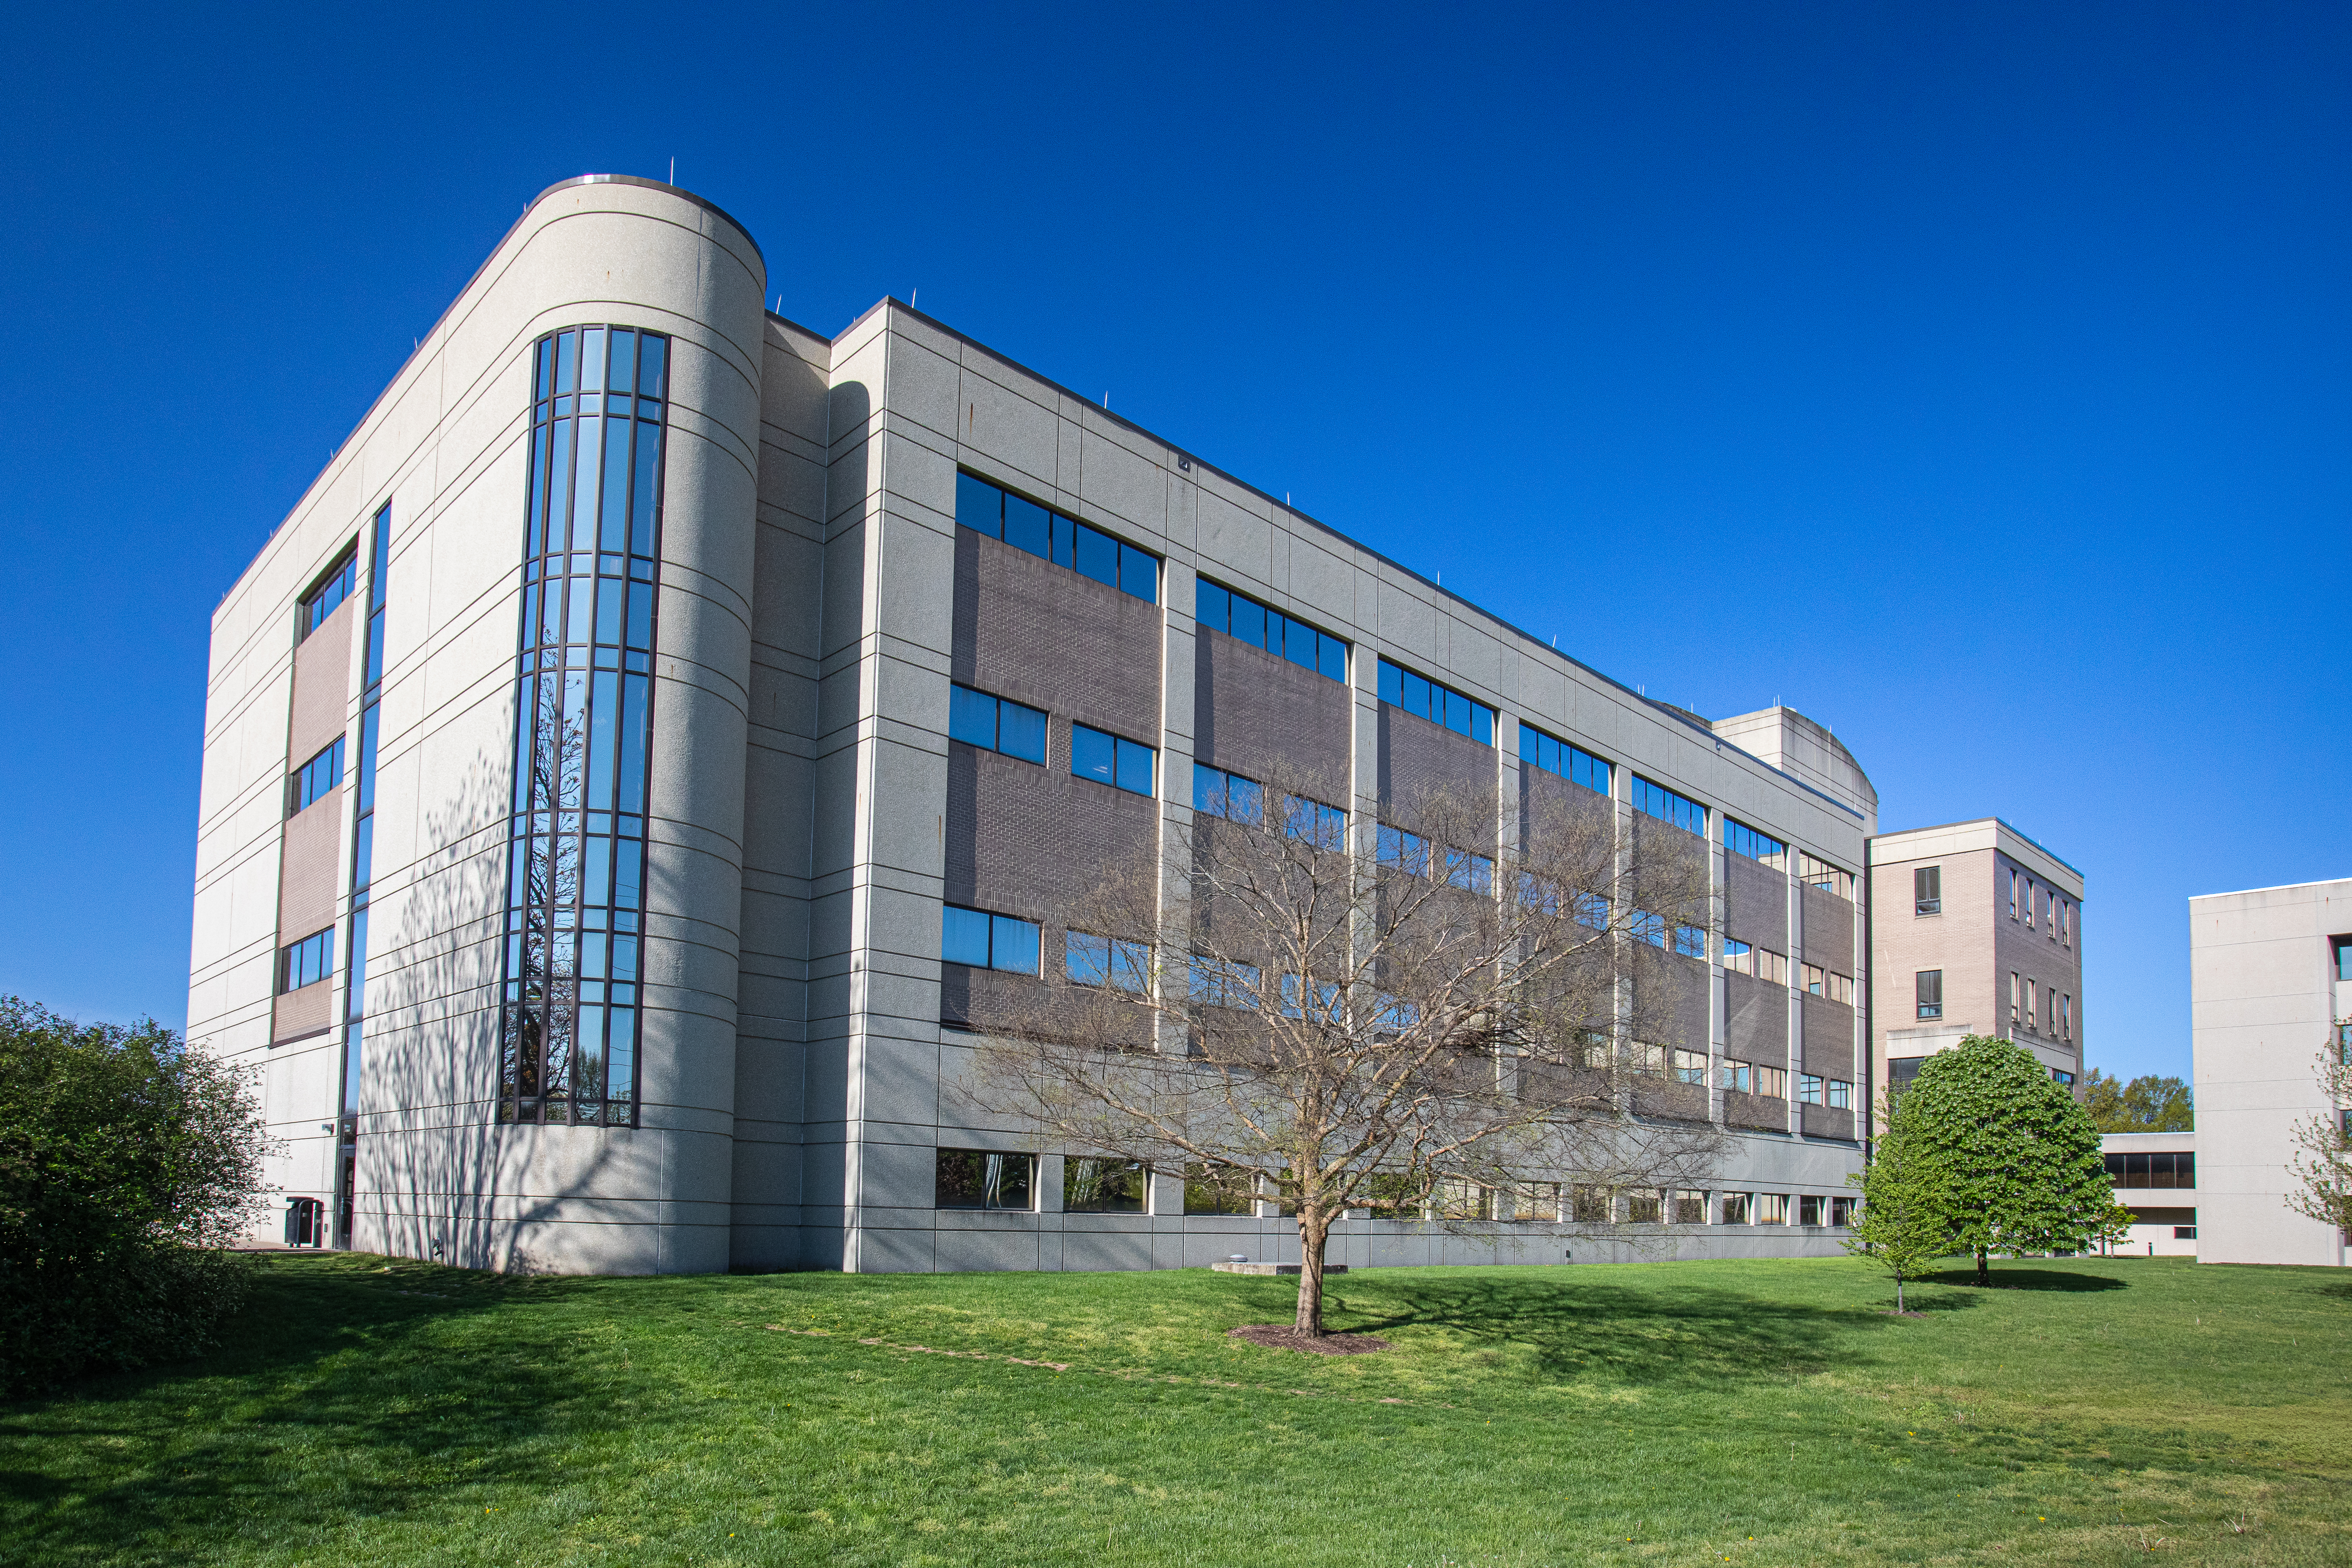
<point x="978" y="1179"/>
<point x="1026" y="525"/>
<point x="1570" y="762"/>
<point x="1441" y="705"/>
<point x="1656" y="800"/>
<point x="568" y="1031"/>
<point x="1742" y="839"/>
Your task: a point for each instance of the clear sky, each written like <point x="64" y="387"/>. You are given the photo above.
<point x="1972" y="378"/>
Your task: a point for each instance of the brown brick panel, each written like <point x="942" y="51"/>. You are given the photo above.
<point x="1041" y="634"/>
<point x="1823" y="1121"/>
<point x="1417" y="756"/>
<point x="1669" y="1097"/>
<point x="1548" y="797"/>
<point x="310" y="872"/>
<point x="1033" y="841"/>
<point x="1544" y="1080"/>
<point x="1756" y="903"/>
<point x="1755" y="1110"/>
<point x="1681" y="1014"/>
<point x="1829" y="1037"/>
<point x="1258" y="714"/>
<point x="1829" y="930"/>
<point x="1757" y="1020"/>
<point x="295" y="1013"/>
<point x="322" y="686"/>
<point x="987" y="1000"/>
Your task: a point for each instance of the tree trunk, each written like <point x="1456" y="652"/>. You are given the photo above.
<point x="1984" y="1270"/>
<point x="1898" y="1295"/>
<point x="1314" y="1230"/>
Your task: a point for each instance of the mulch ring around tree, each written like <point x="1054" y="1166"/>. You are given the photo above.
<point x="1282" y="1336"/>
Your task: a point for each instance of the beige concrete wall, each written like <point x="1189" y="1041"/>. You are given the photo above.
<point x="445" y="444"/>
<point x="2263" y="1000"/>
<point x="912" y="402"/>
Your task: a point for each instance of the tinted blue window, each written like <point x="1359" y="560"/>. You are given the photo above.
<point x="1407" y="852"/>
<point x="1249" y="623"/>
<point x="1013" y="944"/>
<point x="1325" y="826"/>
<point x="1213" y="607"/>
<point x="307" y="961"/>
<point x="971" y="717"/>
<point x="1246" y="619"/>
<point x="1740" y="837"/>
<point x="650" y="364"/>
<point x="1064" y="542"/>
<point x="979" y="505"/>
<point x="1021" y="732"/>
<point x="1097" y="556"/>
<point x="1135" y="765"/>
<point x="1458" y="713"/>
<point x="1244" y="799"/>
<point x="963" y="937"/>
<point x="1139" y="574"/>
<point x="1086" y="959"/>
<point x="1027" y="527"/>
<point x="1208" y="790"/>
<point x="624" y="360"/>
<point x="1664" y="803"/>
<point x="1093" y="754"/>
<point x="1298" y="643"/>
<point x="1439" y="704"/>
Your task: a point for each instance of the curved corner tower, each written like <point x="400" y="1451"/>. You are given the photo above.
<point x="522" y="1007"/>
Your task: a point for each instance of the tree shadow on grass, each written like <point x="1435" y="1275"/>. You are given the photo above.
<point x="1685" y="1337"/>
<point x="2012" y="1279"/>
<point x="1915" y="1299"/>
<point x="135" y="1466"/>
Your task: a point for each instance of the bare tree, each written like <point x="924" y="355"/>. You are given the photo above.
<point x="2322" y="1167"/>
<point x="1450" y="1018"/>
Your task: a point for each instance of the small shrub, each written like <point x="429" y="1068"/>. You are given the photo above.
<point x="126" y="1162"/>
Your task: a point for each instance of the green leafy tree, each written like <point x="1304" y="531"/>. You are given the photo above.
<point x="2146" y="1104"/>
<point x="1905" y="1224"/>
<point x="2020" y="1158"/>
<point x="126" y="1162"/>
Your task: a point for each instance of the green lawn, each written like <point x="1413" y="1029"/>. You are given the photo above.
<point x="1669" y="1413"/>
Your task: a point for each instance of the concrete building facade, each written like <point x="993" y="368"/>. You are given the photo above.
<point x="643" y="758"/>
<point x="2270" y="989"/>
<point x="2155" y="1176"/>
<point x="1976" y="929"/>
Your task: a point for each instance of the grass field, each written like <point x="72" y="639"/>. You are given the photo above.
<point x="2081" y="1412"/>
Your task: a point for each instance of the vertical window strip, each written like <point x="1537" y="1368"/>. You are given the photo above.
<point x="583" y="722"/>
<point x="362" y="777"/>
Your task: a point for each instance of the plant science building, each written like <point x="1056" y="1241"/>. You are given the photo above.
<point x="656" y="741"/>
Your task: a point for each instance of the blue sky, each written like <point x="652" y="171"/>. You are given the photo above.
<point x="1972" y="378"/>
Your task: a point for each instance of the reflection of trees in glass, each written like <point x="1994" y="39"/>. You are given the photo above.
<point x="542" y="1025"/>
